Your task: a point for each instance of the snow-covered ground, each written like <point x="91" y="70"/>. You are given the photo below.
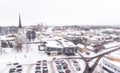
<point x="29" y="58"/>
<point x="30" y="55"/>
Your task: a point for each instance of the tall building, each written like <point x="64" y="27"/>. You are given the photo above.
<point x="20" y="28"/>
<point x="20" y="25"/>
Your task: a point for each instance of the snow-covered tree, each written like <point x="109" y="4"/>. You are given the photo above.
<point x="20" y="39"/>
<point x="28" y="35"/>
<point x="33" y="35"/>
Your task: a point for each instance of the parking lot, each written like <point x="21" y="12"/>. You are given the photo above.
<point x="45" y="66"/>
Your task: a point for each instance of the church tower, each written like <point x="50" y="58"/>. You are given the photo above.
<point x="20" y="26"/>
<point x="20" y="29"/>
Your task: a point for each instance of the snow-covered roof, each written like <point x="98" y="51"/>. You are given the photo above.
<point x="80" y="45"/>
<point x="53" y="43"/>
<point x="6" y="38"/>
<point x="115" y="54"/>
<point x="50" y="39"/>
<point x="66" y="43"/>
<point x="90" y="47"/>
<point x="111" y="44"/>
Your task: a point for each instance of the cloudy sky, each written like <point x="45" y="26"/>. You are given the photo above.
<point x="60" y="12"/>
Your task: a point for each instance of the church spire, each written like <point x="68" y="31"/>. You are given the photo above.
<point x="20" y="25"/>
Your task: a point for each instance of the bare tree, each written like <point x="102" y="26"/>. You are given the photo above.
<point x="33" y="35"/>
<point x="4" y="44"/>
<point x="28" y="35"/>
<point x="18" y="47"/>
<point x="19" y="40"/>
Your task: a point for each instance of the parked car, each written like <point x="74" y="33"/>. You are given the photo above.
<point x="61" y="71"/>
<point x="62" y="61"/>
<point x="65" y="67"/>
<point x="78" y="68"/>
<point x="38" y="72"/>
<point x="9" y="64"/>
<point x="57" y="62"/>
<point x="19" y="70"/>
<point x="15" y="63"/>
<point x="37" y="68"/>
<point x="59" y="66"/>
<point x="44" y="61"/>
<point x="74" y="61"/>
<point x="38" y="61"/>
<point x="44" y="64"/>
<point x="45" y="70"/>
<point x="19" y="66"/>
<point x="67" y="71"/>
<point x="12" y="70"/>
<point x="12" y="64"/>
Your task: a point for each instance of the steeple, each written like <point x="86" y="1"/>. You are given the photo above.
<point x="20" y="25"/>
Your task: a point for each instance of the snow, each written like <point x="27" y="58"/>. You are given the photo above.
<point x="23" y="58"/>
<point x="6" y="38"/>
<point x="115" y="54"/>
<point x="90" y="47"/>
<point x="66" y="43"/>
<point x="112" y="44"/>
<point x="27" y="59"/>
<point x="53" y="44"/>
<point x="80" y="45"/>
<point x="92" y="54"/>
<point x="30" y="54"/>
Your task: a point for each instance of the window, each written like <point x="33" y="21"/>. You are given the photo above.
<point x="48" y="49"/>
<point x="58" y="49"/>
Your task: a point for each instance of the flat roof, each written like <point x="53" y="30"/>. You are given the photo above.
<point x="112" y="44"/>
<point x="66" y="43"/>
<point x="53" y="43"/>
<point x="80" y="45"/>
<point x="58" y="42"/>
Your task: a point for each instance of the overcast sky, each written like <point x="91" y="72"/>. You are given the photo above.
<point x="60" y="12"/>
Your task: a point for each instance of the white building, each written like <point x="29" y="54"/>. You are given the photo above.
<point x="59" y="46"/>
<point x="112" y="62"/>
